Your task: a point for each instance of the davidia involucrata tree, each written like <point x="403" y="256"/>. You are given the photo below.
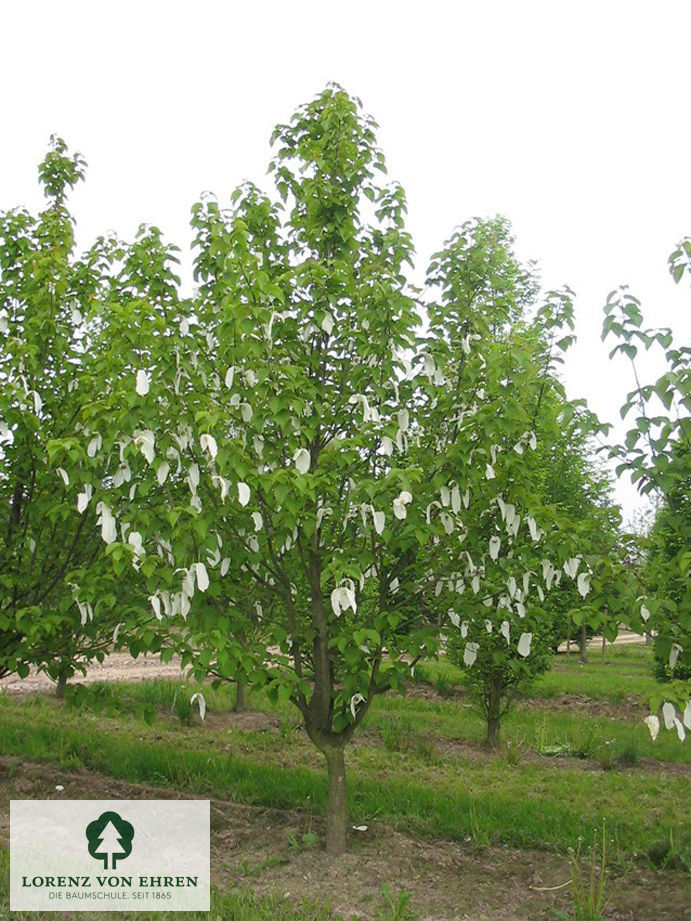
<point x="45" y="293"/>
<point x="301" y="478"/>
<point x="656" y="453"/>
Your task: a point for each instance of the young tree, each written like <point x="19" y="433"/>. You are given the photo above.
<point x="501" y="400"/>
<point x="657" y="455"/>
<point x="43" y="338"/>
<point x="280" y="403"/>
<point x="274" y="441"/>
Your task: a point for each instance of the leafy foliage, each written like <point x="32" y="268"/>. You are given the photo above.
<point x="657" y="455"/>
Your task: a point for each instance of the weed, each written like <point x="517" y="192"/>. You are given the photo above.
<point x="444" y="686"/>
<point x="627" y="753"/>
<point x="589" y="885"/>
<point x="585" y="741"/>
<point x="247" y="868"/>
<point x="396" y="908"/>
<point x="391" y="734"/>
<point x="306" y="842"/>
<point x="605" y="756"/>
<point x="182" y="708"/>
<point x="514" y="753"/>
<point x="666" y="854"/>
<point x="426" y="751"/>
<point x="479" y="835"/>
<point x="286" y="728"/>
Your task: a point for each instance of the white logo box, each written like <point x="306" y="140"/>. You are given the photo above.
<point x="141" y="855"/>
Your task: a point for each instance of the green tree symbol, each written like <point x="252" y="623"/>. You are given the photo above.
<point x="110" y="836"/>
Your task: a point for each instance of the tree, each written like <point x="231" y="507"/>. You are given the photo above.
<point x="656" y="453"/>
<point x="666" y="561"/>
<point x="503" y="403"/>
<point x="279" y="403"/>
<point x="110" y="838"/>
<point x="43" y="337"/>
<point x="272" y="439"/>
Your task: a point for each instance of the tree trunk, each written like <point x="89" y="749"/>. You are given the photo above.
<point x="337" y="806"/>
<point x="583" y="644"/>
<point x="603" y="649"/>
<point x="240" y="696"/>
<point x="494" y="713"/>
<point x="60" y="685"/>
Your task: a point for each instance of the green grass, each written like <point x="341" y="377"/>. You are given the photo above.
<point x="618" y="680"/>
<point x="450" y="795"/>
<point x="533" y="727"/>
<point x="416" y="763"/>
<point x="626" y="674"/>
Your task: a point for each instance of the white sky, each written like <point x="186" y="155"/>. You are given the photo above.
<point x="571" y="119"/>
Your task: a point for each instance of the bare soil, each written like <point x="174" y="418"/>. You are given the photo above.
<point x="630" y="708"/>
<point x="119" y="666"/>
<point x="449" y="881"/>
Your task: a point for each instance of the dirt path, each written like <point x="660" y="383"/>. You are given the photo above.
<point x="625" y="638"/>
<point x="251" y="849"/>
<point x="119" y="666"/>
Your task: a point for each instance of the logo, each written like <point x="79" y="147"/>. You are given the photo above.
<point x="109" y="855"/>
<point x="110" y="839"/>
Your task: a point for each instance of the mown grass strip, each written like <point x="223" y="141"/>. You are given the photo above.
<point x="521" y="806"/>
<point x="540" y="729"/>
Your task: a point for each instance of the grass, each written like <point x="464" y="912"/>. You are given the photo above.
<point x="400" y="720"/>
<point x="415" y="767"/>
<point x="625" y="675"/>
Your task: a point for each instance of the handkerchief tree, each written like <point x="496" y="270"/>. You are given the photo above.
<point x="44" y="539"/>
<point x="492" y="394"/>
<point x="656" y="453"/>
<point x="279" y="454"/>
<point x="280" y="399"/>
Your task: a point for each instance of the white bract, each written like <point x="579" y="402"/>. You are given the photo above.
<point x="354" y="701"/>
<point x="84" y="497"/>
<point x="302" y="460"/>
<point x="145" y="441"/>
<point x="470" y="653"/>
<point x="524" y="644"/>
<point x="653" y="724"/>
<point x="399" y="504"/>
<point x="142" y="384"/>
<point x="202" y="576"/>
<point x="243" y="493"/>
<point x="343" y="598"/>
<point x="107" y="521"/>
<point x="583" y="584"/>
<point x="208" y="443"/>
<point x="199" y="700"/>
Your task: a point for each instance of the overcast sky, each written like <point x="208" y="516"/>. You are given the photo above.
<point x="571" y="119"/>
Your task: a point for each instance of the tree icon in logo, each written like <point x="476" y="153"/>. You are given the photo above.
<point x="109" y="837"/>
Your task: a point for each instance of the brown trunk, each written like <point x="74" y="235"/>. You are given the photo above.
<point x="337" y="806"/>
<point x="60" y="686"/>
<point x="583" y="644"/>
<point x="493" y="713"/>
<point x="240" y="696"/>
<point x="603" y="649"/>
